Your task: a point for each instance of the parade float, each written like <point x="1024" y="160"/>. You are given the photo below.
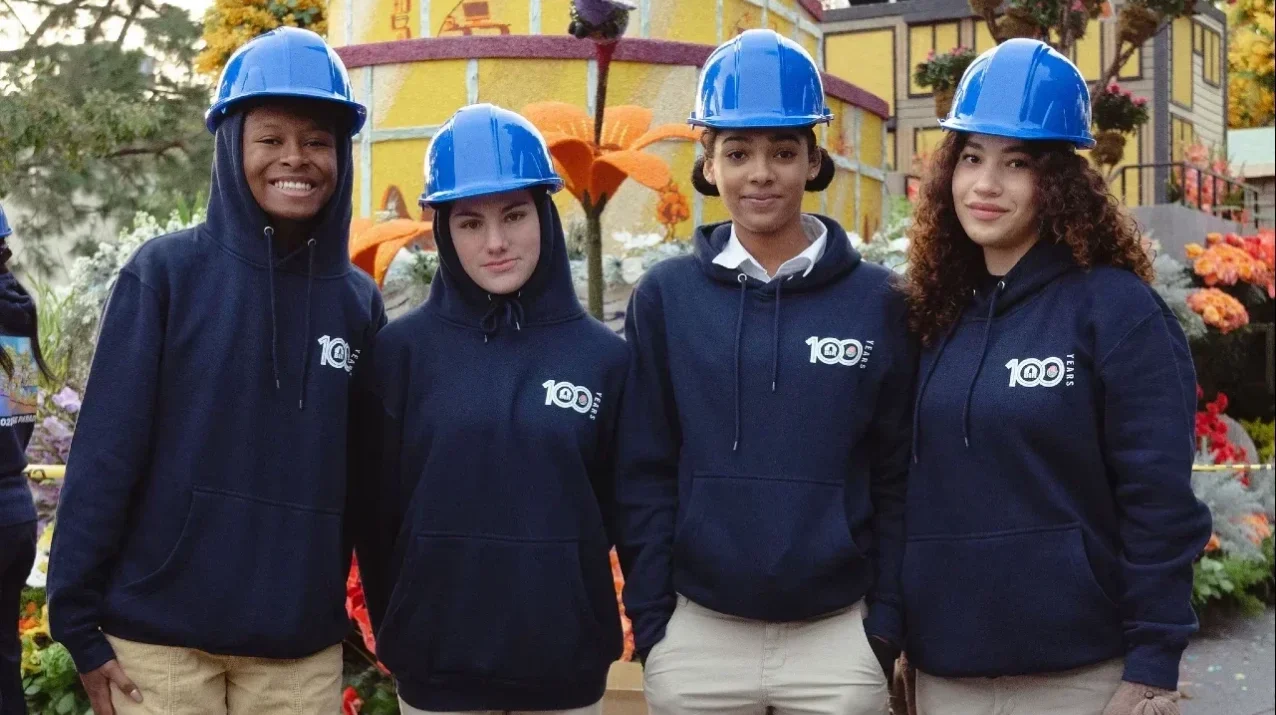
<point x="415" y="62"/>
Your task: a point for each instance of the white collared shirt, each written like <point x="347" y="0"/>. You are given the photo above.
<point x="736" y="257"/>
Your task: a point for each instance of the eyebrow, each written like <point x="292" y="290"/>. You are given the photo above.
<point x="1012" y="149"/>
<point x="473" y="214"/>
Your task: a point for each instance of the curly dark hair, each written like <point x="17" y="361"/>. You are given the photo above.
<point x="1074" y="207"/>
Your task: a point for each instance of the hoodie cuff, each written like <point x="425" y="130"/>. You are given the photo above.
<point x="886" y="622"/>
<point x="92" y="653"/>
<point x="1154" y="665"/>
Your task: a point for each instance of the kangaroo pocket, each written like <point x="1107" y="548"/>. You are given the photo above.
<point x="1006" y="604"/>
<point x="247" y="576"/>
<point x="768" y="549"/>
<point x="493" y="610"/>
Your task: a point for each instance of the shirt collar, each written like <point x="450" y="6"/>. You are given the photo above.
<point x="737" y="258"/>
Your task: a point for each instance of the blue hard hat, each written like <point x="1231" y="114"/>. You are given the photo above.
<point x="484" y="149"/>
<point x="4" y="223"/>
<point x="1034" y="93"/>
<point x="759" y="79"/>
<point x="285" y="62"/>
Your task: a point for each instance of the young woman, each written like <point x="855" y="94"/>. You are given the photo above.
<point x="765" y="430"/>
<point x="1051" y="521"/>
<point x="483" y="436"/>
<point x="20" y="365"/>
<point x="199" y="559"/>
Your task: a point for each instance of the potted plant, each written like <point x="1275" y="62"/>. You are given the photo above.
<point x="1117" y="112"/>
<point x="942" y="73"/>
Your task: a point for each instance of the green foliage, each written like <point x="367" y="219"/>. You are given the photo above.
<point x="941" y="72"/>
<point x="376" y="690"/>
<point x="1263" y="432"/>
<point x="1118" y="110"/>
<point x="101" y="115"/>
<point x="1228" y="580"/>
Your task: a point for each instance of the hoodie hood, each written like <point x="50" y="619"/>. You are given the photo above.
<point x="238" y="224"/>
<point x="838" y="259"/>
<point x="548" y="297"/>
<point x="1043" y="263"/>
<point x="16" y="306"/>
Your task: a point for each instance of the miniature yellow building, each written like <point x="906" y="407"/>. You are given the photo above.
<point x="415" y="62"/>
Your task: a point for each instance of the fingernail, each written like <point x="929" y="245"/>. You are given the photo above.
<point x="136" y="695"/>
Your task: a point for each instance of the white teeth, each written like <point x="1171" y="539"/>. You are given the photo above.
<point x="293" y="186"/>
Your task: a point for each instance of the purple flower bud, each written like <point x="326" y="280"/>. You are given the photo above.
<point x="596" y="12"/>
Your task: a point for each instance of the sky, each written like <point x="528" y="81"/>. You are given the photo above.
<point x="11" y="34"/>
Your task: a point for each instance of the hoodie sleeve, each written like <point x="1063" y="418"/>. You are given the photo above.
<point x="375" y="511"/>
<point x="108" y="458"/>
<point x="891" y="436"/>
<point x="603" y="474"/>
<point x="1149" y="418"/>
<point x="647" y="474"/>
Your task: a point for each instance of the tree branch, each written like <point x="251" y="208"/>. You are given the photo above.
<point x="16" y="17"/>
<point x="128" y="22"/>
<point x="56" y="15"/>
<point x="155" y="149"/>
<point x="1114" y="69"/>
<point x="990" y="18"/>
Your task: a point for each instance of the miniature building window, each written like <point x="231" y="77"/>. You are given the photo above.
<point x="1182" y="135"/>
<point x="925" y="142"/>
<point x="1207" y="43"/>
<point x="922" y="40"/>
<point x="983" y="38"/>
<point x="867" y="57"/>
<point x="1181" y="62"/>
<point x="1133" y="67"/>
<point x="1085" y="53"/>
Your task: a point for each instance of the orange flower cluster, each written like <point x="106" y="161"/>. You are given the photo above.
<point x="1218" y="309"/>
<point x="672" y="210"/>
<point x="619" y="581"/>
<point x="1228" y="259"/>
<point x="1262" y="247"/>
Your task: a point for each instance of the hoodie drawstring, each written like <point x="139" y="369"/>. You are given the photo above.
<point x="921" y="389"/>
<point x="503" y="310"/>
<point x="269" y="233"/>
<point x="775" y="335"/>
<point x="739" y="328"/>
<point x="305" y="351"/>
<point x="983" y="352"/>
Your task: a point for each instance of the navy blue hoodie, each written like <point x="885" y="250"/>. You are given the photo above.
<point x="17" y="411"/>
<point x="205" y="489"/>
<point x="764" y="440"/>
<point x="482" y="435"/>
<point x="1051" y="520"/>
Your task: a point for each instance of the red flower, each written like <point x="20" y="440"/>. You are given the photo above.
<point x="350" y="702"/>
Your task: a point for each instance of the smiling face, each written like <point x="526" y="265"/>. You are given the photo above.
<point x="761" y="175"/>
<point x="994" y="195"/>
<point x="290" y="160"/>
<point x="497" y="239"/>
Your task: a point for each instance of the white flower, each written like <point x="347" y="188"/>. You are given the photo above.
<point x="631" y="269"/>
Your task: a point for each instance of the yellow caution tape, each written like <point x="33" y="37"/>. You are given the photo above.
<point x="1228" y="467"/>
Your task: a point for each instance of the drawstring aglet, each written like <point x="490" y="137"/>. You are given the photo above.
<point x="967" y="441"/>
<point x="276" y="384"/>
<point x="773" y="386"/>
<point x="736" y="446"/>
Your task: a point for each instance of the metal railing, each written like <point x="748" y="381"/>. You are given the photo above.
<point x="1190" y="185"/>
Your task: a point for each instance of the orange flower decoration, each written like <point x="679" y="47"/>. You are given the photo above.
<point x="373" y="246"/>
<point x="594" y="172"/>
<point x="1258" y="526"/>
<point x="1230" y="259"/>
<point x="672" y="210"/>
<point x="1213" y="544"/>
<point x="1218" y="309"/>
<point x="618" y="580"/>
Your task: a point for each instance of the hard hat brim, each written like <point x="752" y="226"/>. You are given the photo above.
<point x="219" y="111"/>
<point x="1027" y="134"/>
<point x="770" y="121"/>
<point x="469" y="191"/>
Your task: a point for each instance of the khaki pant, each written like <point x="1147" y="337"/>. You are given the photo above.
<point x="709" y="662"/>
<point x="1084" y="691"/>
<point x="595" y="709"/>
<point x="183" y="681"/>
